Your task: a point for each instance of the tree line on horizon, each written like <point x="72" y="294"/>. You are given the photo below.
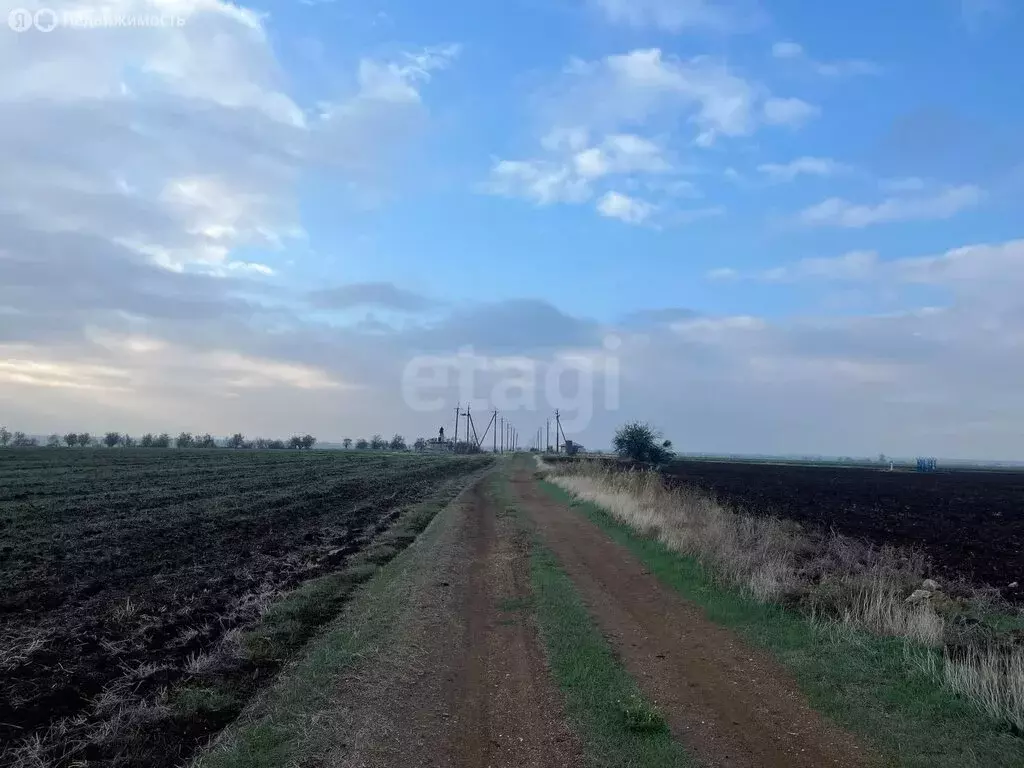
<point x="150" y="440"/>
<point x="237" y="441"/>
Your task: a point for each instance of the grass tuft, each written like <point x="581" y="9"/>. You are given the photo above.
<point x="205" y="702"/>
<point x="640" y="716"/>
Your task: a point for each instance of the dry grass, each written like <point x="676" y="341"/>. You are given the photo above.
<point x="833" y="578"/>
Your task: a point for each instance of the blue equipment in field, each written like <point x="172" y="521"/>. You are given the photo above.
<point x="927" y="464"/>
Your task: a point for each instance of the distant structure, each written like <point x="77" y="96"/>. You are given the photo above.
<point x="927" y="464"/>
<point x="572" y="448"/>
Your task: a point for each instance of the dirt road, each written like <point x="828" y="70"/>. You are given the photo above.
<point x="729" y="703"/>
<point x="465" y="682"/>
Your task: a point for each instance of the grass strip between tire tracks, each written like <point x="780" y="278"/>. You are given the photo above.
<point x="860" y="681"/>
<point x="618" y="726"/>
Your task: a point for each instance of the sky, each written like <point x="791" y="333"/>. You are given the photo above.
<point x="763" y="226"/>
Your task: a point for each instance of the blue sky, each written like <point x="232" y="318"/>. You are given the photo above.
<point x="939" y="63"/>
<point x="799" y="222"/>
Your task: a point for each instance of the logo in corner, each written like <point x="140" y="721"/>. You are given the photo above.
<point x="20" y="20"/>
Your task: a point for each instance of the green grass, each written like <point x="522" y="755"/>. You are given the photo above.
<point x="618" y="727"/>
<point x="293" y="619"/>
<point x="862" y="682"/>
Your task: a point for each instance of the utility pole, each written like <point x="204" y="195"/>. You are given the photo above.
<point x="455" y="434"/>
<point x="466" y="414"/>
<point x="494" y="437"/>
<point x="502" y="434"/>
<point x="558" y="427"/>
<point x="492" y="422"/>
<point x="547" y="436"/>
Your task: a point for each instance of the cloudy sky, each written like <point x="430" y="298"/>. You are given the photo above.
<point x="763" y="225"/>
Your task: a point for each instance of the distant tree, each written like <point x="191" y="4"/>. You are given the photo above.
<point x="420" y="444"/>
<point x="163" y="441"/>
<point x="378" y="443"/>
<point x="5" y="437"/>
<point x="249" y="445"/>
<point x="237" y="440"/>
<point x="71" y="439"/>
<point x="112" y="439"/>
<point x="466" y="447"/>
<point x="641" y="442"/>
<point x="362" y="444"/>
<point x="53" y="441"/>
<point x="206" y="441"/>
<point x="346" y="443"/>
<point x="308" y="441"/>
<point x="127" y="440"/>
<point x="277" y="445"/>
<point x="84" y="439"/>
<point x="261" y="443"/>
<point x="881" y="458"/>
<point x="295" y="442"/>
<point x="147" y="440"/>
<point x="20" y="440"/>
<point x="397" y="443"/>
<point x="184" y="440"/>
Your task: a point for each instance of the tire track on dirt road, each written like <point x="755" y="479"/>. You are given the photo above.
<point x="464" y="683"/>
<point x="730" y="703"/>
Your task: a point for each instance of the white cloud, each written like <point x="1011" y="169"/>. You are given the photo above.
<point x="704" y="328"/>
<point x="795" y="51"/>
<point x="610" y="118"/>
<point x="984" y="271"/>
<point x="398" y="81"/>
<point x="809" y="166"/>
<point x="645" y="87"/>
<point x="569" y="175"/>
<point x="540" y="181"/>
<point x="791" y="111"/>
<point x="631" y="210"/>
<point x="854" y="266"/>
<point x="942" y="204"/>
<point x="675" y="15"/>
<point x="621" y="153"/>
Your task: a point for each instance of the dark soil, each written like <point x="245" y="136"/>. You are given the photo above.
<point x="118" y="565"/>
<point x="970" y="523"/>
